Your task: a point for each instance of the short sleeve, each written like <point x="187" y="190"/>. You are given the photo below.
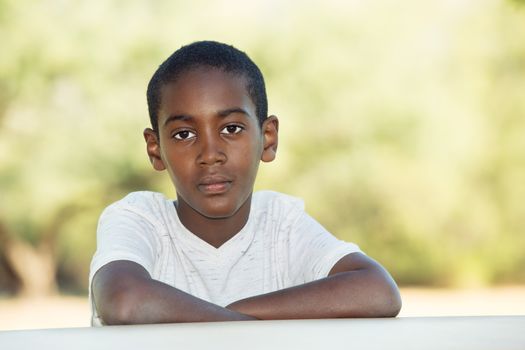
<point x="313" y="250"/>
<point x="124" y="233"/>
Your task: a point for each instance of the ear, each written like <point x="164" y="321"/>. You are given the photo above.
<point x="153" y="149"/>
<point x="270" y="129"/>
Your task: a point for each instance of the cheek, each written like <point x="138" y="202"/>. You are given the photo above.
<point x="249" y="156"/>
<point x="252" y="150"/>
<point x="178" y="168"/>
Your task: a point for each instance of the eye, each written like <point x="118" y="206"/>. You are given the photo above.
<point x="232" y="129"/>
<point x="184" y="135"/>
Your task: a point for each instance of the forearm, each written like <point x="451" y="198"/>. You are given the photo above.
<point x="138" y="299"/>
<point x="160" y="303"/>
<point x="360" y="293"/>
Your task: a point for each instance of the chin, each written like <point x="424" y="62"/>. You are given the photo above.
<point x="220" y="210"/>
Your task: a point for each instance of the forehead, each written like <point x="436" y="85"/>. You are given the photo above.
<point x="205" y="90"/>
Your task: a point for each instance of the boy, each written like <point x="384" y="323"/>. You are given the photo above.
<point x="220" y="252"/>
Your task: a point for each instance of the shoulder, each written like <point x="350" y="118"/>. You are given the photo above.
<point x="143" y="203"/>
<point x="141" y="200"/>
<point x="264" y="198"/>
<point x="277" y="204"/>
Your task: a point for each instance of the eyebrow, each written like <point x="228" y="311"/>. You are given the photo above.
<point x="222" y="113"/>
<point x="176" y="117"/>
<point x="227" y="112"/>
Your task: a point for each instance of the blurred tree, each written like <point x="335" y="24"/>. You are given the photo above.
<point x="62" y="102"/>
<point x="405" y="137"/>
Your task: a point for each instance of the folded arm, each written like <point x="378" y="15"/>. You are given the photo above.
<point x="125" y="293"/>
<point x="357" y="286"/>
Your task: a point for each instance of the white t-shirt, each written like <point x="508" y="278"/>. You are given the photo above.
<point x="280" y="246"/>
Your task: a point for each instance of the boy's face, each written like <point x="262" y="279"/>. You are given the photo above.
<point x="210" y="142"/>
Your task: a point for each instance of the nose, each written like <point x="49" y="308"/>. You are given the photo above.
<point x="211" y="151"/>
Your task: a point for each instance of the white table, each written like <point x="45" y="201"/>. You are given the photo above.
<point x="491" y="332"/>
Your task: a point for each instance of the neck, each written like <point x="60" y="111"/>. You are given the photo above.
<point x="214" y="231"/>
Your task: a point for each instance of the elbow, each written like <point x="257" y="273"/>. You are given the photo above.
<point x="118" y="309"/>
<point x="387" y="299"/>
<point x="391" y="303"/>
<point x="118" y="290"/>
<point x="378" y="297"/>
<point x="118" y="304"/>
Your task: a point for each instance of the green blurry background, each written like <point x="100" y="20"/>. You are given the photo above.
<point x="402" y="126"/>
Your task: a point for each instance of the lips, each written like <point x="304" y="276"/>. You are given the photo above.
<point x="215" y="184"/>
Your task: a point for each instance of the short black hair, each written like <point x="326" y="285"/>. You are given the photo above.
<point x="213" y="54"/>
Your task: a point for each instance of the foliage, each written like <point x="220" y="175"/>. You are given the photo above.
<point x="401" y="126"/>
